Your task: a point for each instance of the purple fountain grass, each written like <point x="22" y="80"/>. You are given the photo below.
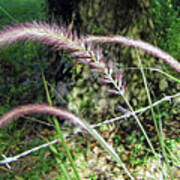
<point x="155" y="51"/>
<point x="80" y="48"/>
<point x="52" y="35"/>
<point x="58" y="38"/>
<point x="53" y="110"/>
<point x="40" y="109"/>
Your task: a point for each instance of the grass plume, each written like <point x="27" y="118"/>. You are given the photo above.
<point x="40" y="109"/>
<point x="53" y="110"/>
<point x="149" y="48"/>
<point x="81" y="48"/>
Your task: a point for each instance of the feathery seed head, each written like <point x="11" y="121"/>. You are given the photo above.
<point x="149" y="48"/>
<point x="58" y="38"/>
<point x="41" y="109"/>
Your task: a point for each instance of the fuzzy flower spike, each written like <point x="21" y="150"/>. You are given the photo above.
<point x="81" y="48"/>
<point x="149" y="48"/>
<point x="41" y="109"/>
<point x="52" y="110"/>
<point x="56" y="37"/>
<point x="51" y="35"/>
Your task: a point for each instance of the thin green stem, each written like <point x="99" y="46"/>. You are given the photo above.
<point x="157" y="70"/>
<point x="63" y="168"/>
<point x="169" y="76"/>
<point x="103" y="143"/>
<point x="154" y="118"/>
<point x="8" y="14"/>
<point x="134" y="115"/>
<point x="59" y="129"/>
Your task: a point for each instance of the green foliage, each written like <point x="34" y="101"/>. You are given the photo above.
<point x="22" y="59"/>
<point x="167" y="25"/>
<point x="19" y="11"/>
<point x="133" y="150"/>
<point x="20" y="76"/>
<point x="172" y="144"/>
<point x="20" y="81"/>
<point x="43" y="161"/>
<point x="96" y="30"/>
<point x="81" y="97"/>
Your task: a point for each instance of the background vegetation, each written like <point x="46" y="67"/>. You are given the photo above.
<point x="21" y="68"/>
